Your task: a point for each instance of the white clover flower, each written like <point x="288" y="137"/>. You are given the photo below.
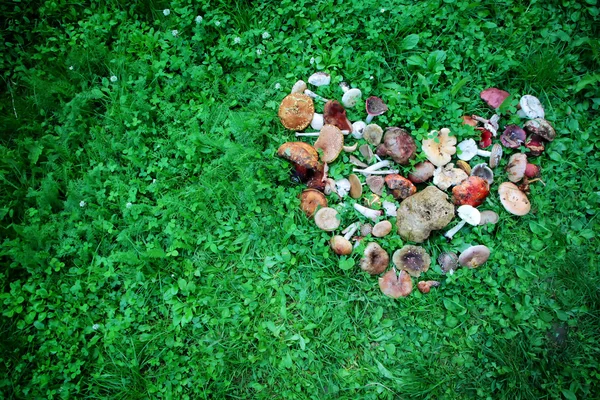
<point x="95" y="327"/>
<point x="175" y="32"/>
<point x="172" y="275"/>
<point x="237" y="40"/>
<point x="114" y="78"/>
<point x="312" y="60"/>
<point x="258" y="51"/>
<point x="371" y="77"/>
<point x="82" y="204"/>
<point x="166" y="12"/>
<point x="154" y="180"/>
<point x="217" y="23"/>
<point x="382" y="10"/>
<point x="199" y="19"/>
<point x="266" y="35"/>
<point x="278" y="86"/>
<point x="128" y="205"/>
<point x="71" y="68"/>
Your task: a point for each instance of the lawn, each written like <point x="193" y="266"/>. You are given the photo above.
<point x="153" y="244"/>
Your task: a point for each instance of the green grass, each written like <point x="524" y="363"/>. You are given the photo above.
<point x="212" y="283"/>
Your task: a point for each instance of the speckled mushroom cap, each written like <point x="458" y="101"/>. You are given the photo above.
<point x="396" y="285"/>
<point x="331" y="141"/>
<point x="296" y="111"/>
<point x="327" y="219"/>
<point x="375" y="259"/>
<point x="412" y="259"/>
<point x="474" y="256"/>
<point x="540" y="127"/>
<point x="448" y="261"/>
<point x="513" y="199"/>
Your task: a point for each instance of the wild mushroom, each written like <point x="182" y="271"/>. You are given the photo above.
<point x="335" y="114"/>
<point x="373" y="134"/>
<point x="355" y="186"/>
<point x="375" y="259"/>
<point x="357" y="129"/>
<point x="468" y="150"/>
<point x="355" y="161"/>
<point x="375" y="183"/>
<point x="366" y="229"/>
<point x="421" y="172"/>
<point x="375" y="106"/>
<point x="513" y="136"/>
<point x="425" y="286"/>
<point x="464" y="166"/>
<point x="382" y="228"/>
<point x="467" y="214"/>
<point x="366" y="152"/>
<point x="342" y="186"/>
<point x="540" y="127"/>
<point x="496" y="155"/>
<point x="423" y="212"/>
<point x="483" y="171"/>
<point x="341" y="244"/>
<point x="490" y="125"/>
<point x="368" y="212"/>
<point x="488" y="217"/>
<point x="516" y="167"/>
<point x="474" y="256"/>
<point x="396" y="285"/>
<point x="412" y="259"/>
<point x="296" y="111"/>
<point x="446" y="176"/>
<point x="440" y="148"/>
<point x="471" y="191"/>
<point x="300" y="153"/>
<point x="311" y="200"/>
<point x="330" y="187"/>
<point x="327" y="219"/>
<point x="448" y="262"/>
<point x="535" y="145"/>
<point x="351" y="96"/>
<point x="400" y="186"/>
<point x="494" y="97"/>
<point x="391" y="210"/>
<point x="350" y="149"/>
<point x="532" y="171"/>
<point x="468" y="120"/>
<point x="397" y="144"/>
<point x="531" y="107"/>
<point x="377" y="169"/>
<point x="486" y="138"/>
<point x="317" y="121"/>
<point x="315" y="96"/>
<point x="513" y="199"/>
<point x="319" y="79"/>
<point x="299" y="87"/>
<point x="331" y="141"/>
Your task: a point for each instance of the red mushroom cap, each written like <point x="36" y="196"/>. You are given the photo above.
<point x="400" y="186"/>
<point x="494" y="97"/>
<point x="335" y="114"/>
<point x="486" y="138"/>
<point x="472" y="192"/>
<point x="532" y="171"/>
<point x="535" y="145"/>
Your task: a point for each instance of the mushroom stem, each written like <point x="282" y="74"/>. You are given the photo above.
<point x="350" y="149"/>
<point x="369" y="119"/>
<point x="484" y="153"/>
<point x="315" y="96"/>
<point x="379" y="172"/>
<point x="315" y="134"/>
<point x="448" y="235"/>
<point x="537" y="179"/>
<point x="368" y="212"/>
<point x="345" y="87"/>
<point x="349" y="231"/>
<point x="379" y="165"/>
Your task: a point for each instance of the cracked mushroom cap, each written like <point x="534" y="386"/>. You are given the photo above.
<point x="311" y="200"/>
<point x="335" y="114"/>
<point x="300" y="153"/>
<point x="446" y="176"/>
<point x="513" y="136"/>
<point x="513" y="199"/>
<point x="400" y="186"/>
<point x="439" y="152"/>
<point x="472" y="192"/>
<point x="412" y="259"/>
<point x="396" y="285"/>
<point x="540" y="127"/>
<point x="517" y="163"/>
<point x="375" y="259"/>
<point x="331" y="141"/>
<point x="296" y="111"/>
<point x="373" y="134"/>
<point x="474" y="256"/>
<point x="327" y="219"/>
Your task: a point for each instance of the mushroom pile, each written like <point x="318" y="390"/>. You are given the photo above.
<point x="383" y="184"/>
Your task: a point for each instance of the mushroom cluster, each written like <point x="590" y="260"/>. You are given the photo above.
<point x="391" y="185"/>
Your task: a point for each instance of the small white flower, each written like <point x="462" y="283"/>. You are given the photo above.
<point x="371" y="77"/>
<point x="166" y="12"/>
<point x="312" y="60"/>
<point x="278" y="86"/>
<point x="128" y="205"/>
<point x="199" y="19"/>
<point x="217" y="23"/>
<point x="95" y="327"/>
<point x="114" y="78"/>
<point x="82" y="204"/>
<point x="175" y="32"/>
<point x="382" y="10"/>
<point x="154" y="180"/>
<point x="258" y="51"/>
<point x="266" y="35"/>
<point x="71" y="68"/>
<point x="172" y="275"/>
<point x="237" y="40"/>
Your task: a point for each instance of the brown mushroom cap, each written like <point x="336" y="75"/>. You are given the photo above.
<point x="448" y="261"/>
<point x="366" y="151"/>
<point x="310" y="200"/>
<point x="400" y="186"/>
<point x="373" y="134"/>
<point x="331" y="141"/>
<point x="425" y="286"/>
<point x="335" y="114"/>
<point x="540" y="127"/>
<point x="464" y="166"/>
<point x="375" y="259"/>
<point x="517" y="164"/>
<point x="355" y="186"/>
<point x="513" y="199"/>
<point x="340" y="245"/>
<point x="382" y="228"/>
<point x="375" y="106"/>
<point x="397" y="144"/>
<point x="296" y="111"/>
<point x="422" y="172"/>
<point x="327" y="219"/>
<point x="300" y="153"/>
<point x="395" y="286"/>
<point x="376" y="183"/>
<point x="412" y="259"/>
<point x="496" y="155"/>
<point x="474" y="256"/>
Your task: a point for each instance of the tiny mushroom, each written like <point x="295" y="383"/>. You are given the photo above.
<point x="376" y="183"/>
<point x="494" y="97"/>
<point x="531" y="107"/>
<point x="513" y="136"/>
<point x="317" y="121"/>
<point x="440" y="148"/>
<point x="355" y="161"/>
<point x="513" y="199"/>
<point x="422" y="172"/>
<point x="448" y="261"/>
<point x="472" y="191"/>
<point x="488" y="217"/>
<point x="496" y="155"/>
<point x="425" y="286"/>
<point x="355" y="186"/>
<point x="412" y="259"/>
<point x="331" y="141"/>
<point x="351" y="96"/>
<point x="368" y="212"/>
<point x="327" y="219"/>
<point x="467" y="214"/>
<point x="516" y="167"/>
<point x="400" y="186"/>
<point x="375" y="106"/>
<point x="373" y="134"/>
<point x="468" y="150"/>
<point x="341" y="244"/>
<point x="299" y="87"/>
<point x="397" y="144"/>
<point x="446" y="176"/>
<point x="540" y="127"/>
<point x="296" y="111"/>
<point x="357" y="129"/>
<point x="396" y="285"/>
<point x="335" y="114"/>
<point x="535" y="145"/>
<point x="311" y="200"/>
<point x="474" y="256"/>
<point x="375" y="259"/>
<point x="483" y="171"/>
<point x="319" y="79"/>
<point x="382" y="228"/>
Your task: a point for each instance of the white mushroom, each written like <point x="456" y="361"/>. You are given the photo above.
<point x="343" y="187"/>
<point x="468" y="150"/>
<point x="440" y="148"/>
<point x="315" y="96"/>
<point x="368" y="212"/>
<point x="468" y="214"/>
<point x="319" y="79"/>
<point x="531" y="107"/>
<point x="317" y="121"/>
<point x="299" y="87"/>
<point x="376" y="168"/>
<point x="314" y="134"/>
<point x="391" y="209"/>
<point x="446" y="176"/>
<point x="357" y="129"/>
<point x="351" y="96"/>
